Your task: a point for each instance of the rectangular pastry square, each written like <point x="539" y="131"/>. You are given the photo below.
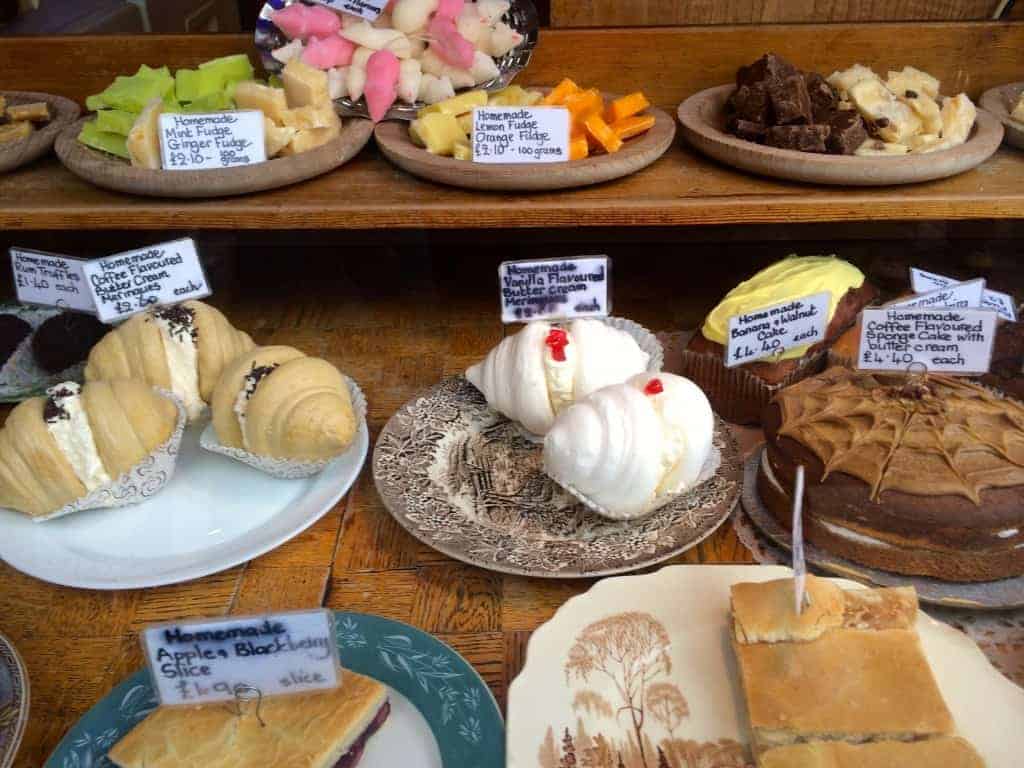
<point x="932" y="753"/>
<point x="852" y="685"/>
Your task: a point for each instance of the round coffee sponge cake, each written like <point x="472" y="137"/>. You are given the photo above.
<point x="922" y="476"/>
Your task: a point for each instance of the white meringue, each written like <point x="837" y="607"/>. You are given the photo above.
<point x="527" y="381"/>
<point x="628" y="448"/>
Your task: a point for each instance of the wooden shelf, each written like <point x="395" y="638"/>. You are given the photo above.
<point x="681" y="189"/>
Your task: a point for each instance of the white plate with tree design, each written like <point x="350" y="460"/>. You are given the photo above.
<point x="639" y="673"/>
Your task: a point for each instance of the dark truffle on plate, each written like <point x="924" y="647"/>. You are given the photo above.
<point x="66" y="339"/>
<point x="13" y="331"/>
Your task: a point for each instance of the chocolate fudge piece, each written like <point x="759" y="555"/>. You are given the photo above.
<point x="746" y="129"/>
<point x="770" y="67"/>
<point x="750" y="103"/>
<point x="846" y="132"/>
<point x="803" y="138"/>
<point x="824" y="99"/>
<point x="790" y="101"/>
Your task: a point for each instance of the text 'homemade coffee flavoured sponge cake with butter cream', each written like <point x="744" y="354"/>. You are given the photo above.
<point x="316" y="730"/>
<point x="739" y="394"/>
<point x="844" y="684"/>
<point x="922" y="476"/>
<point x="182" y="348"/>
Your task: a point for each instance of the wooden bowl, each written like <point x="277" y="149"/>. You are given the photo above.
<point x="999" y="101"/>
<point x="17" y="154"/>
<point x="394" y="142"/>
<point x="111" y="172"/>
<point x="703" y="120"/>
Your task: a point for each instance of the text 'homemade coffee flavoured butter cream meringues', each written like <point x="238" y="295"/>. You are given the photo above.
<point x="183" y="348"/>
<point x="628" y="448"/>
<point x="532" y="376"/>
<point x="278" y="403"/>
<point x="57" y="449"/>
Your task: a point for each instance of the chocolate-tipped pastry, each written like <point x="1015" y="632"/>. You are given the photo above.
<point x="66" y="339"/>
<point x="13" y="331"/>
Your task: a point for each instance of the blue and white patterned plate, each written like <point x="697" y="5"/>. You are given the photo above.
<point x="450" y="705"/>
<point x="13" y="702"/>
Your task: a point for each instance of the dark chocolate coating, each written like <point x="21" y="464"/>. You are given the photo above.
<point x="66" y="339"/>
<point x="13" y="331"/>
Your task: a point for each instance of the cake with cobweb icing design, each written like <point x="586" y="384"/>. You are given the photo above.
<point x="909" y="474"/>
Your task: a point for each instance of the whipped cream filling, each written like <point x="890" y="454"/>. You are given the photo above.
<point x="179" y="334"/>
<point x="68" y="424"/>
<point x="560" y="375"/>
<point x="673" y="445"/>
<point x="249" y="385"/>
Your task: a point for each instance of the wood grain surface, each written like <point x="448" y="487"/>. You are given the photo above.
<point x="63" y="111"/>
<point x="1000" y="101"/>
<point x="682" y="188"/>
<point x="703" y="119"/>
<point x="632" y="13"/>
<point x="636" y="154"/>
<point x="117" y="175"/>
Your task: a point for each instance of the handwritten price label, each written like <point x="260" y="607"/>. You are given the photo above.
<point x="216" y="140"/>
<point x="205" y="661"/>
<point x="770" y="331"/>
<point x="943" y="340"/>
<point x="51" y="280"/>
<point x="554" y="288"/>
<point x="520" y="135"/>
<point x="367" y="9"/>
<point x="1002" y="303"/>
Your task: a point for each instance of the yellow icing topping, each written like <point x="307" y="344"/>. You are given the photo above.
<point x="792" y="278"/>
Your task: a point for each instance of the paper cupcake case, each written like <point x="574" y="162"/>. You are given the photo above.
<point x="714" y="461"/>
<point x="736" y="394"/>
<point x="646" y="340"/>
<point x="20" y="376"/>
<point x="286" y="469"/>
<point x="143" y="480"/>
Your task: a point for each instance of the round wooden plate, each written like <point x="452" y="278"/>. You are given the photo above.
<point x="999" y="102"/>
<point x="41" y="141"/>
<point x="393" y="140"/>
<point x="703" y="120"/>
<point x="111" y="172"/>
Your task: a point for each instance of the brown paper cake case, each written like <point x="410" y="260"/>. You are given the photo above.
<point x="646" y="340"/>
<point x="286" y="469"/>
<point x="143" y="480"/>
<point x="736" y="394"/>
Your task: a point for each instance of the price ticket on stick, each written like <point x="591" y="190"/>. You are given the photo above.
<point x="923" y="282"/>
<point x="799" y="563"/>
<point x="50" y="279"/>
<point x="205" y="661"/>
<point x="955" y="296"/>
<point x="555" y="288"/>
<point x="520" y="135"/>
<point x="770" y="331"/>
<point x="195" y="142"/>
<point x="130" y="282"/>
<point x="367" y="9"/>
<point x="895" y="338"/>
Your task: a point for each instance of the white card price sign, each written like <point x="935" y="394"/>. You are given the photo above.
<point x="129" y="282"/>
<point x="954" y="296"/>
<point x="215" y="140"/>
<point x="205" y="661"/>
<point x="520" y="135"/>
<point x="943" y="340"/>
<point x="50" y="279"/>
<point x="554" y="288"/>
<point x="922" y="282"/>
<point x="770" y="331"/>
<point x="368" y="9"/>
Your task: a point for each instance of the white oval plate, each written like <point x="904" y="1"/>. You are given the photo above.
<point x="213" y="514"/>
<point x="679" y="632"/>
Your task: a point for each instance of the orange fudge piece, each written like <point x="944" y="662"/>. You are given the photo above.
<point x="627" y="106"/>
<point x="601" y="132"/>
<point x="628" y="127"/>
<point x="560" y="93"/>
<point x="578" y="148"/>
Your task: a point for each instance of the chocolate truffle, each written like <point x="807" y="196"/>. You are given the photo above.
<point x="13" y="331"/>
<point x="65" y="339"/>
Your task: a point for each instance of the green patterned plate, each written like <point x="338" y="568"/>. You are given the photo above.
<point x="444" y="714"/>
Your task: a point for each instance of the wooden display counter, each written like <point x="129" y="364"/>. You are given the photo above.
<point x="682" y="188"/>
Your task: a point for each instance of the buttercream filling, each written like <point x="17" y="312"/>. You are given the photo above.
<point x="179" y="334"/>
<point x="249" y="384"/>
<point x="68" y="424"/>
<point x="673" y="445"/>
<point x="560" y="371"/>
